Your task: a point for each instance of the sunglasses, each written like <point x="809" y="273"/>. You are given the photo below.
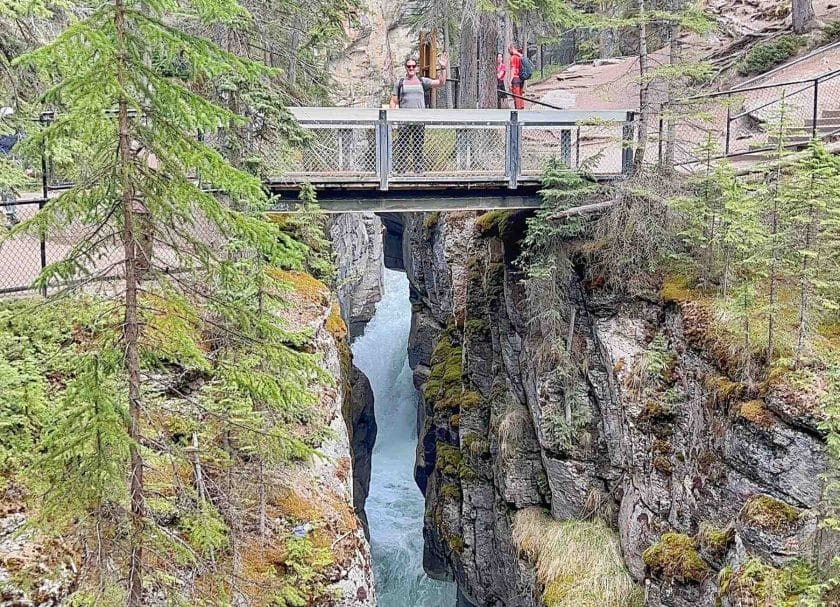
<point x="409" y="67"/>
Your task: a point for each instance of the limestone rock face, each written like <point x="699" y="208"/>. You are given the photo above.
<point x="367" y="69"/>
<point x="586" y="404"/>
<point x="357" y="240"/>
<point x="362" y="422"/>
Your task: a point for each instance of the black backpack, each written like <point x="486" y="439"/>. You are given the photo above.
<point x="7" y="142"/>
<point x="526" y="68"/>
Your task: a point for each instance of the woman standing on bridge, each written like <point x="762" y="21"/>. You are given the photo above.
<point x="410" y="93"/>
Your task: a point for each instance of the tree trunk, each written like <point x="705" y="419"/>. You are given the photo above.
<point x="488" y="38"/>
<point x="447" y="45"/>
<point x="803" y="16"/>
<point x="644" y="89"/>
<point x="131" y="325"/>
<point x="467" y="76"/>
<point x="811" y="233"/>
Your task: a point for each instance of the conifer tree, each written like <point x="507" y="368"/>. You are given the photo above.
<point x="811" y="207"/>
<point x="203" y="294"/>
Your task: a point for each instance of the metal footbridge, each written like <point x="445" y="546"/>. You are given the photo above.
<point x="376" y="160"/>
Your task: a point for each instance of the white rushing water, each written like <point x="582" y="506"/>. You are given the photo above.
<point x="395" y="504"/>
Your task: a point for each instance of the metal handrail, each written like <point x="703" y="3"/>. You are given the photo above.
<point x="821" y="77"/>
<point x="523" y="98"/>
<point x="808" y="82"/>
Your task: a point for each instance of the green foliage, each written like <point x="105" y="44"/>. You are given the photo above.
<point x="211" y="343"/>
<point x="831" y="425"/>
<point x="765" y="250"/>
<point x="308" y="566"/>
<point x="205" y="529"/>
<point x="766" y="55"/>
<point x="308" y="226"/>
<point x="562" y="189"/>
<point x="563" y="433"/>
<point x="831" y="32"/>
<point x="757" y="583"/>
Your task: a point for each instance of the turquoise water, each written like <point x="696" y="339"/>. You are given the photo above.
<point x="395" y="505"/>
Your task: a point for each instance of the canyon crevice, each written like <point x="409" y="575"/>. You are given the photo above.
<point x="592" y="406"/>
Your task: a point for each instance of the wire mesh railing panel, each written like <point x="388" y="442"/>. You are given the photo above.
<point x="336" y="151"/>
<point x="748" y="125"/>
<point x="442" y="150"/>
<point x="596" y="148"/>
<point x="21" y="256"/>
<point x="101" y="257"/>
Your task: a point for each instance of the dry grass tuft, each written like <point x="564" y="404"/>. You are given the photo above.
<point x="578" y="563"/>
<point x="512" y="429"/>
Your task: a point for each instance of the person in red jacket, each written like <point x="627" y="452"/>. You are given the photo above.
<point x="501" y="72"/>
<point x="517" y="85"/>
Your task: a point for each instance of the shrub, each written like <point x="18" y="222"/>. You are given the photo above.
<point x="766" y="55"/>
<point x="831" y="32"/>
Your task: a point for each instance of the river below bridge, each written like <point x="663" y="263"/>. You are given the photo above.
<point x="395" y="505"/>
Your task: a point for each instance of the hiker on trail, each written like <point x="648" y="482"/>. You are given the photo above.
<point x="501" y="72"/>
<point x="7" y="194"/>
<point x="516" y="83"/>
<point x="410" y="93"/>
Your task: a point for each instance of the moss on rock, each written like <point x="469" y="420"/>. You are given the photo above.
<point x="713" y="540"/>
<point x="674" y="557"/>
<point x="756" y="413"/>
<point x="768" y="513"/>
<point x="756" y="584"/>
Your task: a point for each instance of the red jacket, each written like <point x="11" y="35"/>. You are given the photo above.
<point x="514" y="65"/>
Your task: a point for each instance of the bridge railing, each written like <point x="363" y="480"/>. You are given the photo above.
<point x="387" y="148"/>
<point x="745" y="123"/>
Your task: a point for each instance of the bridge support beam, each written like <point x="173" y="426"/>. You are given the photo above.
<point x="513" y="157"/>
<point x="383" y="150"/>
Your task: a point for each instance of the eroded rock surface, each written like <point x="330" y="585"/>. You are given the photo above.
<point x="564" y="397"/>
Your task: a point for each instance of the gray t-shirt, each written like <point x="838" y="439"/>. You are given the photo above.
<point x="413" y="94"/>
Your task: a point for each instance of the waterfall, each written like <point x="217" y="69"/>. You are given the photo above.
<point x="395" y="505"/>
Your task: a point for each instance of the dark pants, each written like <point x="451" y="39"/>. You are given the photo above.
<point x="408" y="155"/>
<point x="500" y="95"/>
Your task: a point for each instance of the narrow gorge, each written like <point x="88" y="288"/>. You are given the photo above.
<point x="575" y="443"/>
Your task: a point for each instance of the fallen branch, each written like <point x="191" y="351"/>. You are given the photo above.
<point x="585" y="209"/>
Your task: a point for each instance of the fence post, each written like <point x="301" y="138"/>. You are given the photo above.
<point x="627" y="136"/>
<point x="513" y="152"/>
<point x="728" y="122"/>
<point x="45" y="192"/>
<point x="661" y="134"/>
<point x="383" y="150"/>
<point x="816" y="105"/>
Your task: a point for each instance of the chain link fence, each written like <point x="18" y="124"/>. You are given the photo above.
<point x="447" y="150"/>
<point x="348" y="145"/>
<point x="747" y="124"/>
<point x="598" y="147"/>
<point x="164" y="249"/>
